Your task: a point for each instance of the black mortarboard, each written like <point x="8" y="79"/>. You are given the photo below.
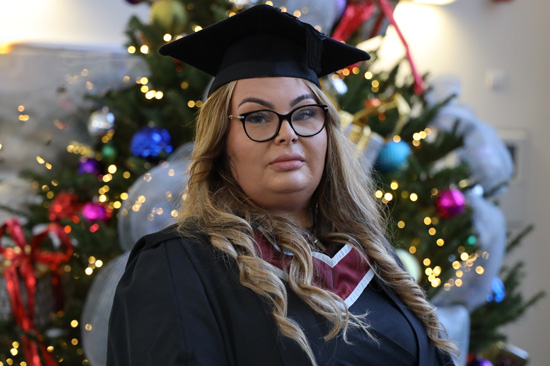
<point x="262" y="41"/>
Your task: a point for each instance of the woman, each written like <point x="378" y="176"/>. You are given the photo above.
<point x="279" y="257"/>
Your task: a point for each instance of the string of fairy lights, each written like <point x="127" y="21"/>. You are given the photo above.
<point x="114" y="203"/>
<point x="466" y="260"/>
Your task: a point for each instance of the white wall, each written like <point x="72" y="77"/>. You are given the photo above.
<point x="82" y="22"/>
<point x="469" y="39"/>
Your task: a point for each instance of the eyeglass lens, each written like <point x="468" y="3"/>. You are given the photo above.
<point x="306" y="121"/>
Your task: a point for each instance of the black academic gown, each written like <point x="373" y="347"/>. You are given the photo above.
<point x="180" y="302"/>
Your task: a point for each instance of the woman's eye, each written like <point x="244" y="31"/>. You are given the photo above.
<point x="259" y="117"/>
<point x="304" y="114"/>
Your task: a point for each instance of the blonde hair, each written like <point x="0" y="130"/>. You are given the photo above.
<point x="344" y="209"/>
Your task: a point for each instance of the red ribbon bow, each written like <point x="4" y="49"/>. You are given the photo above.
<point x="358" y="12"/>
<point x="21" y="268"/>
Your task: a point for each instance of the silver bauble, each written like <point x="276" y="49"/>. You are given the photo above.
<point x="101" y="122"/>
<point x="97" y="309"/>
<point x="154" y="199"/>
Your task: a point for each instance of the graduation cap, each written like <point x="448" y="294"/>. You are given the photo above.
<point x="262" y="41"/>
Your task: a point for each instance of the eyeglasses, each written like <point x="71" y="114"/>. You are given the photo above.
<point x="264" y="125"/>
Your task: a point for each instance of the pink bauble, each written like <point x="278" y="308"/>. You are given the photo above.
<point x="479" y="362"/>
<point x="96" y="212"/>
<point x="450" y="203"/>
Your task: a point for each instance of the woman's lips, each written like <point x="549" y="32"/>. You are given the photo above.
<point x="287" y="162"/>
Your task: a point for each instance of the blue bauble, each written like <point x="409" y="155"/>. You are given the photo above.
<point x="392" y="156"/>
<point x="150" y="143"/>
<point x="497" y="291"/>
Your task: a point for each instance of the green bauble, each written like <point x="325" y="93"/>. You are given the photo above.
<point x="170" y="15"/>
<point x="410" y="262"/>
<point x="109" y="153"/>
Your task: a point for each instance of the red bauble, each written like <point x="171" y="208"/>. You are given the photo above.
<point x="64" y="205"/>
<point x="450" y="203"/>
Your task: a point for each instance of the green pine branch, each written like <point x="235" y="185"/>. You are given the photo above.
<point x="487" y="320"/>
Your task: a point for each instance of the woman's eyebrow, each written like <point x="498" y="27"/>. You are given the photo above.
<point x="300" y="98"/>
<point x="267" y="104"/>
<point x="257" y="101"/>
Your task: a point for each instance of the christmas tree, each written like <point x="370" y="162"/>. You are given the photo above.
<point x="101" y="197"/>
<point x="428" y="154"/>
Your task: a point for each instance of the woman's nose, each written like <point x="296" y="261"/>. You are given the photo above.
<point x="286" y="133"/>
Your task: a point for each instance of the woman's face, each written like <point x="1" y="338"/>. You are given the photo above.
<point x="280" y="174"/>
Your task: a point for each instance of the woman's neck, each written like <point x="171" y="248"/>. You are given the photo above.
<point x="302" y="218"/>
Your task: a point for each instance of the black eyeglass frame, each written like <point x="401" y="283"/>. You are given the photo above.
<point x="282" y="117"/>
